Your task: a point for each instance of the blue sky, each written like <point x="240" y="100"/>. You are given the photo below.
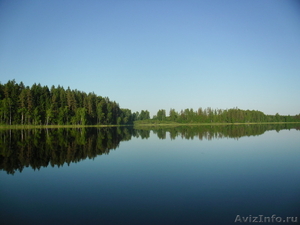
<point x="158" y="54"/>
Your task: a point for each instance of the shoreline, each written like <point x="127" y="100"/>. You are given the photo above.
<point x="136" y="125"/>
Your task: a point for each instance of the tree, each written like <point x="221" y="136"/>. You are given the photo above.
<point x="63" y="115"/>
<point x="173" y="114"/>
<point x="36" y="116"/>
<point x="6" y="110"/>
<point x="144" y="115"/>
<point x="161" y="114"/>
<point x="83" y="114"/>
<point x="127" y="116"/>
<point x="100" y="113"/>
<point x="22" y="105"/>
<point x="30" y="105"/>
<point x="49" y="115"/>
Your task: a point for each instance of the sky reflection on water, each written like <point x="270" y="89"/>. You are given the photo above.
<point x="162" y="181"/>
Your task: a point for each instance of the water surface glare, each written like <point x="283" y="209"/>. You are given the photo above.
<point x="150" y="179"/>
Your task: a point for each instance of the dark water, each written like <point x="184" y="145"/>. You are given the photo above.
<point x="183" y="175"/>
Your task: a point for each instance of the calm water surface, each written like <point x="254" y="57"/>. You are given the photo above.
<point x="125" y="176"/>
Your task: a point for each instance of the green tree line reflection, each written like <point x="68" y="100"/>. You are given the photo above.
<point x="38" y="148"/>
<point x="211" y="132"/>
<point x="43" y="147"/>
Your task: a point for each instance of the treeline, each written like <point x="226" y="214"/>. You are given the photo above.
<point x="210" y="115"/>
<point x="39" y="105"/>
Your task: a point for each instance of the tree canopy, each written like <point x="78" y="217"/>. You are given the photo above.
<point x="41" y="105"/>
<point x="234" y="115"/>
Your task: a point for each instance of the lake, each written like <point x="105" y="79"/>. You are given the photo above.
<point x="151" y="175"/>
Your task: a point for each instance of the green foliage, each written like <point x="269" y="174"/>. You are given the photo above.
<point x="210" y="115"/>
<point x="161" y="114"/>
<point x="173" y="115"/>
<point x="39" y="105"/>
<point x="144" y="115"/>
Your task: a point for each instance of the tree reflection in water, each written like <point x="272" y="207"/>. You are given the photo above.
<point x="43" y="147"/>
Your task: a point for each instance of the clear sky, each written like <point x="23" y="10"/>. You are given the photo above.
<point x="158" y="54"/>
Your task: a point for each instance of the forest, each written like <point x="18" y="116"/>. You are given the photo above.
<point x="41" y="105"/>
<point x="209" y="115"/>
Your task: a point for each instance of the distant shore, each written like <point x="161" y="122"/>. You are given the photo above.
<point x="207" y="124"/>
<point x="136" y="124"/>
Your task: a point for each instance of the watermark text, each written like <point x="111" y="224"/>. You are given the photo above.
<point x="265" y="219"/>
